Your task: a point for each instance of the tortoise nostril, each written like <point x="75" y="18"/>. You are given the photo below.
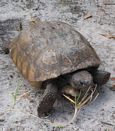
<point x="81" y="82"/>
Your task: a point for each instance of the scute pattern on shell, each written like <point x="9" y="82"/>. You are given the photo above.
<point x="49" y="49"/>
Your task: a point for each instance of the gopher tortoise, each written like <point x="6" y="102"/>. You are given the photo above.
<point x="51" y="54"/>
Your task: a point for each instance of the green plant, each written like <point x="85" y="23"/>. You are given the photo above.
<point x="16" y="93"/>
<point x="82" y="100"/>
<point x="59" y="126"/>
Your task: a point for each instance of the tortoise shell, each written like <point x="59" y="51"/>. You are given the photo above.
<point x="47" y="50"/>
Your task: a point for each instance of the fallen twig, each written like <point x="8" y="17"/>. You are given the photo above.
<point x="24" y="95"/>
<point x="107" y="123"/>
<point x="109" y="3"/>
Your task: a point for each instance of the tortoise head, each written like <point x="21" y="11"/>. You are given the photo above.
<point x="81" y="80"/>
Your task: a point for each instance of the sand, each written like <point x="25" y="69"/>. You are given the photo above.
<point x="95" y="19"/>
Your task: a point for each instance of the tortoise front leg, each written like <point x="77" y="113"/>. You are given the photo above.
<point x="100" y="77"/>
<point x="48" y="98"/>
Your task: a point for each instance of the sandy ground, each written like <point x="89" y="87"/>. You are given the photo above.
<point x="98" y="116"/>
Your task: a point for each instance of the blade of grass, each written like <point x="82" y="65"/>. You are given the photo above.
<point x="84" y="97"/>
<point x="77" y="99"/>
<point x="69" y="99"/>
<point x="16" y="93"/>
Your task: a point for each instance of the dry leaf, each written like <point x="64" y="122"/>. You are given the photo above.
<point x="87" y="16"/>
<point x="109" y="36"/>
<point x="109" y="2"/>
<point x="112" y="78"/>
<point x="113" y="88"/>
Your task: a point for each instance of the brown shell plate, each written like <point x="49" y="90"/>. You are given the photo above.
<point x="49" y="49"/>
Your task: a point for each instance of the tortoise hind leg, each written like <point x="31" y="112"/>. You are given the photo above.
<point x="100" y="77"/>
<point x="48" y="99"/>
